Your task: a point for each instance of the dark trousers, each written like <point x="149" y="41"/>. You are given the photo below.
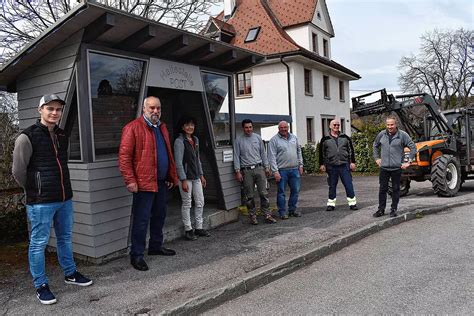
<point x="384" y="178"/>
<point x="148" y="208"/>
<point x="340" y="171"/>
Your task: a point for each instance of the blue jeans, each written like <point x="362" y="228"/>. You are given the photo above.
<point x="41" y="216"/>
<point x="292" y="178"/>
<point x="148" y="208"/>
<point x="340" y="171"/>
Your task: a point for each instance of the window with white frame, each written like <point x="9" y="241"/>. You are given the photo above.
<point x="325" y="120"/>
<point x="308" y="83"/>
<point x="343" y="125"/>
<point x="309" y="130"/>
<point x="244" y="84"/>
<point x="314" y="39"/>
<point x="341" y="91"/>
<point x="325" y="48"/>
<point x="326" y="89"/>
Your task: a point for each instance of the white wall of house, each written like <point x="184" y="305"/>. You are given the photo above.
<point x="269" y="92"/>
<point x="315" y="105"/>
<point x="269" y="96"/>
<point x="301" y="35"/>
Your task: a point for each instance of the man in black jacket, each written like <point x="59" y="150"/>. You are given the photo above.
<point x="40" y="167"/>
<point x="336" y="157"/>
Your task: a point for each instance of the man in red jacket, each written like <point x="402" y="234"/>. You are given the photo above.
<point x="148" y="168"/>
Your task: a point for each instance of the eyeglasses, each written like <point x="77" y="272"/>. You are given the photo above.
<point x="336" y="124"/>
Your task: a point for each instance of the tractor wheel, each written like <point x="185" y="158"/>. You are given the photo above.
<point x="404" y="187"/>
<point x="446" y="176"/>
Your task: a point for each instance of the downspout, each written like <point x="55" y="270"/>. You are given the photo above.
<point x="289" y="91"/>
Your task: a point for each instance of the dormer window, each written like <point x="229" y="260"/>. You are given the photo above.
<point x="220" y="31"/>
<point x="252" y="34"/>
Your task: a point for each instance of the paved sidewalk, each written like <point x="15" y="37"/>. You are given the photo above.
<point x="234" y="251"/>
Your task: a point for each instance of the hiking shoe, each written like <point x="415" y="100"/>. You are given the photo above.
<point x="353" y="207"/>
<point x="253" y="220"/>
<point x="330" y="208"/>
<point x="295" y="214"/>
<point x="202" y="233"/>
<point x="284" y="217"/>
<point x="270" y="220"/>
<point x="378" y="213"/>
<point x="44" y="295"/>
<point x="393" y="213"/>
<point x="77" y="279"/>
<point x="189" y="235"/>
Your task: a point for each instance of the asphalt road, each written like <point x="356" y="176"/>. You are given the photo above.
<point x="425" y="266"/>
<point x="233" y="252"/>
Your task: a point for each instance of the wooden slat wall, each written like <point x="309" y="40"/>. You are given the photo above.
<point x="102" y="208"/>
<point x="230" y="187"/>
<point x="50" y="74"/>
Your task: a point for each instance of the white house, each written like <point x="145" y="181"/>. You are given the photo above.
<point x="298" y="79"/>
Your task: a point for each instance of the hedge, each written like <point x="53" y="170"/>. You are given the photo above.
<point x="362" y="142"/>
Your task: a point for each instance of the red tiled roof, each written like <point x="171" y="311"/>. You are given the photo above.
<point x="292" y="12"/>
<point x="271" y="39"/>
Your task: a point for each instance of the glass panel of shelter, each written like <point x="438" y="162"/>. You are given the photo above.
<point x="216" y="87"/>
<point x="115" y="89"/>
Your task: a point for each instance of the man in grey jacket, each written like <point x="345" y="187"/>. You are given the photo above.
<point x="251" y="168"/>
<point x="286" y="162"/>
<point x="336" y="157"/>
<point x="391" y="144"/>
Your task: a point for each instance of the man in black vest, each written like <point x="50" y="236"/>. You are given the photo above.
<point x="40" y="168"/>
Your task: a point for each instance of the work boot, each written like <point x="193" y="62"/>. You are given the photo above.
<point x="270" y="220"/>
<point x="253" y="220"/>
<point x="353" y="207"/>
<point x="393" y="213"/>
<point x="330" y="208"/>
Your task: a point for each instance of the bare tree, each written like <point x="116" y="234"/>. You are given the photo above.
<point x="8" y="133"/>
<point x="443" y="67"/>
<point x="21" y="21"/>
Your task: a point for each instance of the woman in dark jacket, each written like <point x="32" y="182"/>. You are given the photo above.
<point x="192" y="181"/>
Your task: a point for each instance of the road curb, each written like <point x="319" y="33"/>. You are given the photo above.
<point x="281" y="268"/>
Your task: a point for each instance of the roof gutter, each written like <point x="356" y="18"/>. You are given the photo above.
<point x="289" y="91"/>
<point x="319" y="59"/>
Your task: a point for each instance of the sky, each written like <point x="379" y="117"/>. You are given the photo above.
<point x="371" y="36"/>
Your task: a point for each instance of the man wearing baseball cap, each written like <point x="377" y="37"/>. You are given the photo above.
<point x="40" y="168"/>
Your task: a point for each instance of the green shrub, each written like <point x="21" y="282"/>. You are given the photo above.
<point x="13" y="222"/>
<point x="363" y="142"/>
<point x="310" y="158"/>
